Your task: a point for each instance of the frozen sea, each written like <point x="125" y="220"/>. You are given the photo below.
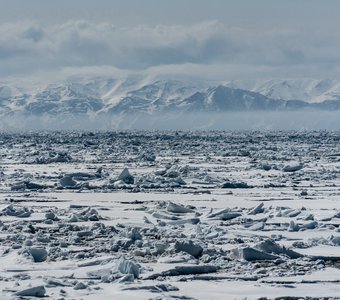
<point x="170" y="215"/>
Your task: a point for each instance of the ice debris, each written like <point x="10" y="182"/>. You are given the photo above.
<point x="37" y="291"/>
<point x="126" y="177"/>
<point x="125" y="266"/>
<point x="292" y="167"/>
<point x="189" y="247"/>
<point x="67" y="182"/>
<point x="38" y="254"/>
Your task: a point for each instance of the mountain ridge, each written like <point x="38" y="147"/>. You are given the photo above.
<point x="151" y="95"/>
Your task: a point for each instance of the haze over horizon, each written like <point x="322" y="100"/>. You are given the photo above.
<point x="215" y="40"/>
<point x="82" y="63"/>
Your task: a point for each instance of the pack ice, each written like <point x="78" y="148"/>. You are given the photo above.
<point x="170" y="215"/>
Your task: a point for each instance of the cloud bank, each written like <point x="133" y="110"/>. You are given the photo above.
<point x="209" y="50"/>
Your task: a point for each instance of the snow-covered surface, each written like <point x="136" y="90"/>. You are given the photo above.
<point x="195" y="215"/>
<point x="306" y="89"/>
<point x="99" y="95"/>
<point x="76" y="95"/>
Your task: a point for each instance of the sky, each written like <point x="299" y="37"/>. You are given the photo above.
<point x="215" y="39"/>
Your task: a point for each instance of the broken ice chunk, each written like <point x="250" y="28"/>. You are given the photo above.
<point x="125" y="266"/>
<point x="189" y="247"/>
<point x="126" y="177"/>
<point x="37" y="291"/>
<point x="292" y="167"/>
<point x="251" y="254"/>
<point x="38" y="254"/>
<point x="67" y="182"/>
<point x="257" y="210"/>
<point x="270" y="246"/>
<point x="176" y="208"/>
<point x="236" y="185"/>
<point x="293" y="227"/>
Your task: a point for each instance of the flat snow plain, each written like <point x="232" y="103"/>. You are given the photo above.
<point x="170" y="215"/>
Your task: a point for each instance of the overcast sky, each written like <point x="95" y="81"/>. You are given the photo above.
<point x="215" y="39"/>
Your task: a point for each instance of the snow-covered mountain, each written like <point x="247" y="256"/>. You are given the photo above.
<point x="309" y="90"/>
<point x="135" y="94"/>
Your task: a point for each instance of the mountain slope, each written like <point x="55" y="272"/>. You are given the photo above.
<point x="309" y="90"/>
<point x="137" y="94"/>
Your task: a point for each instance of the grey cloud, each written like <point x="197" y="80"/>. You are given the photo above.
<point x="35" y="33"/>
<point x="210" y="45"/>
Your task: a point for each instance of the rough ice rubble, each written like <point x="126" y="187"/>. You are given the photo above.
<point x="16" y="211"/>
<point x="172" y="240"/>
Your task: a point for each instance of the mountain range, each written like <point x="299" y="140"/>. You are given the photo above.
<point x="136" y="94"/>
